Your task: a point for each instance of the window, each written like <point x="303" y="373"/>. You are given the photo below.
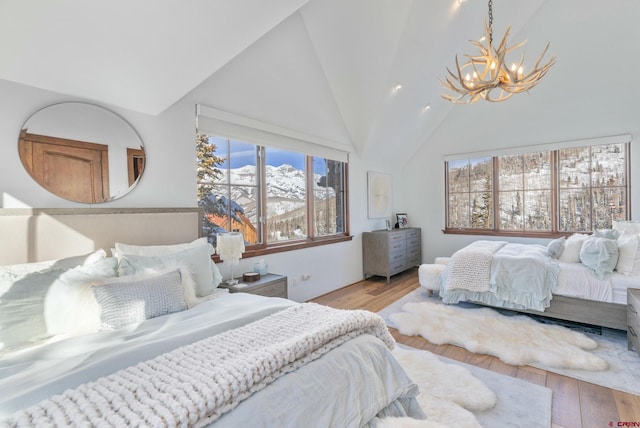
<point x="278" y="199"/>
<point x="566" y="190"/>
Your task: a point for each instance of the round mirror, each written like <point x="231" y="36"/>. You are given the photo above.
<point x="81" y="152"/>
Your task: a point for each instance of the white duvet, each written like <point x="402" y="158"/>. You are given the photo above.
<point x="364" y="379"/>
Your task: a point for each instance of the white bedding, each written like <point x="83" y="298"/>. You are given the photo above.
<point x="364" y="378"/>
<point x="577" y="280"/>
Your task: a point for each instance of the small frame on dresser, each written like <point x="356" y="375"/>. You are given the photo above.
<point x="402" y="220"/>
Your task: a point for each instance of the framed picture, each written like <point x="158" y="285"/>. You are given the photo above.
<point x="403" y="220"/>
<point x="378" y="195"/>
<point x="387" y="224"/>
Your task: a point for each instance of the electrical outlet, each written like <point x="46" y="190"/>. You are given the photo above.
<point x="306" y="276"/>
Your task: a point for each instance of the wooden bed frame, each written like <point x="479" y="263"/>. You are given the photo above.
<point x="604" y="314"/>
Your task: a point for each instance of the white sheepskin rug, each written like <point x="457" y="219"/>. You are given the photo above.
<point x="448" y="392"/>
<point x="516" y="340"/>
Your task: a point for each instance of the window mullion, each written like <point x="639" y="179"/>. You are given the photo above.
<point x="310" y="196"/>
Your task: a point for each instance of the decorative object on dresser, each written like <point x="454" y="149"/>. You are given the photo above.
<point x="402" y="220"/>
<point x="270" y="285"/>
<point x="250" y="276"/>
<point x="388" y="252"/>
<point x="633" y="319"/>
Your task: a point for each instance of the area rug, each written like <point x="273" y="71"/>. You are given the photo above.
<point x="461" y="395"/>
<point x="623" y="372"/>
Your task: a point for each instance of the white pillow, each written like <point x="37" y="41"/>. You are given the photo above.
<point x="67" y="302"/>
<point x="572" y="246"/>
<point x="197" y="260"/>
<point x="627" y="249"/>
<point x="126" y="304"/>
<point x="165" y="250"/>
<point x="158" y="250"/>
<point x="632" y="227"/>
<point x="555" y="247"/>
<point x="61" y="264"/>
<point x="23" y="294"/>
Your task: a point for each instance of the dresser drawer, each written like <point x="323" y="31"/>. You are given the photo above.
<point x="413" y="234"/>
<point x="278" y="289"/>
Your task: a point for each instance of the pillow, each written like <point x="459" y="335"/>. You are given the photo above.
<point x="165" y="250"/>
<point x="627" y="249"/>
<point x="196" y="260"/>
<point x="67" y="295"/>
<point x="555" y="247"/>
<point x="607" y="233"/>
<point x="23" y="299"/>
<point x="21" y="308"/>
<point x="125" y="304"/>
<point x="599" y="254"/>
<point x="158" y="250"/>
<point x="571" y="250"/>
<point x="632" y="227"/>
<point x="62" y="264"/>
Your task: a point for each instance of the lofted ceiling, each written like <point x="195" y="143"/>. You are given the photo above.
<point x="329" y="64"/>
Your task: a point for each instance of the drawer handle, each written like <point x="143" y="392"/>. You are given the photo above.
<point x="633" y="333"/>
<point x="632" y="309"/>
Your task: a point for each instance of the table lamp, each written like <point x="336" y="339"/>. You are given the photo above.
<point x="230" y="248"/>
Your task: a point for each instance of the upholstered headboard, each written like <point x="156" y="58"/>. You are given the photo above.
<point x="31" y="235"/>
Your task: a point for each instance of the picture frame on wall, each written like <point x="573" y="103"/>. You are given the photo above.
<point x="402" y="220"/>
<point x="378" y="195"/>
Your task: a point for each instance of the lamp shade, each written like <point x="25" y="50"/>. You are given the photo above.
<point x="230" y="246"/>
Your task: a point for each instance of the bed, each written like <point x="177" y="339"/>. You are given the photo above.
<point x="87" y="351"/>
<point x="583" y="278"/>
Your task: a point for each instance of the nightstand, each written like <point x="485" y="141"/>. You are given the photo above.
<point x="633" y="319"/>
<point x="270" y="285"/>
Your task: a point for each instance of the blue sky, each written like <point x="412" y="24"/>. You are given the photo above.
<point x="245" y="154"/>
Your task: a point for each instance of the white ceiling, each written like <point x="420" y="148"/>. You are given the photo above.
<point x="146" y="55"/>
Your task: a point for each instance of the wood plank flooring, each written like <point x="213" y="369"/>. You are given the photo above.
<point x="576" y="404"/>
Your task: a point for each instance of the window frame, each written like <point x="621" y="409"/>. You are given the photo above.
<point x="554" y="151"/>
<point x="310" y="240"/>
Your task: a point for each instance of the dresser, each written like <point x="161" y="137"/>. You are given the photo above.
<point x="270" y="285"/>
<point x="633" y="319"/>
<point x="388" y="252"/>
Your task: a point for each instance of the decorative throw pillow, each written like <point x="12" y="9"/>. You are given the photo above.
<point x="196" y="260"/>
<point x="572" y="246"/>
<point x="555" y="247"/>
<point x="599" y="254"/>
<point x="627" y="249"/>
<point x="126" y="304"/>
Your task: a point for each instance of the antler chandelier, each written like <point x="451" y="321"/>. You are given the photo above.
<point x="487" y="76"/>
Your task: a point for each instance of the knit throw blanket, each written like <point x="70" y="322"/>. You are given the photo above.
<point x="470" y="268"/>
<point x="195" y="384"/>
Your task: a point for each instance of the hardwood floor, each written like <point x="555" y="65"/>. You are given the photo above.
<point x="576" y="404"/>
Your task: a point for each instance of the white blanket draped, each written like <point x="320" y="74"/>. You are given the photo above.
<point x="470" y="267"/>
<point x="196" y="384"/>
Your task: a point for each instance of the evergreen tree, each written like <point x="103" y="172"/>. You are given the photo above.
<point x="207" y="167"/>
<point x="207" y="171"/>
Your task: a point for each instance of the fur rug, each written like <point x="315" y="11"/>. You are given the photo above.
<point x="516" y="340"/>
<point x="449" y="393"/>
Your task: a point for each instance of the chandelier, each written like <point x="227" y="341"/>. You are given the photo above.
<point x="486" y="76"/>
